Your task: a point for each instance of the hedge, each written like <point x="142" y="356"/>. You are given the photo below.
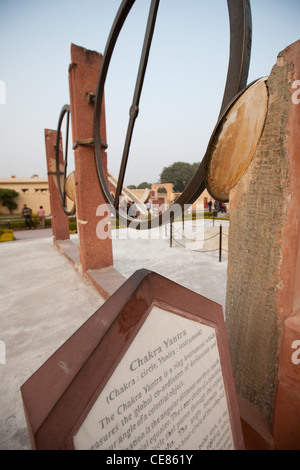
<point x="6" y="235"/>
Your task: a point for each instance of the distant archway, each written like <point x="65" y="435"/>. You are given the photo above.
<point x="162" y="189"/>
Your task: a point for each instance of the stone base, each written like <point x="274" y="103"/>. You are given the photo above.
<point x="257" y="430"/>
<point x="106" y="280"/>
<point x="284" y="432"/>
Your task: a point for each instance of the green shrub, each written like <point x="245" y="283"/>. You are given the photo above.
<point x="73" y="226"/>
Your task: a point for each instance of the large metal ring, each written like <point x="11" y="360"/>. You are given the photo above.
<point x="61" y="173"/>
<point x="240" y="50"/>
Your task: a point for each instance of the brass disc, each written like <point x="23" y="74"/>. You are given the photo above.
<point x="235" y="140"/>
<point x="70" y="186"/>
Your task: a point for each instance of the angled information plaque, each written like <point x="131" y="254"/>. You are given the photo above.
<point x="159" y="377"/>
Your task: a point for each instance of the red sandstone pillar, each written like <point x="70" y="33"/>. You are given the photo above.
<point x="60" y="222"/>
<point x="286" y="419"/>
<point x="83" y="74"/>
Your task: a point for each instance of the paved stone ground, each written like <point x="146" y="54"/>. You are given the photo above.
<point x="44" y="300"/>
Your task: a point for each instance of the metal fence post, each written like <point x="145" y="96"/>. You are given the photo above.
<point x="220" y="244"/>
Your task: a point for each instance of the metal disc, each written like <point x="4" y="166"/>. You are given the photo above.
<point x="235" y="140"/>
<point x="70" y="186"/>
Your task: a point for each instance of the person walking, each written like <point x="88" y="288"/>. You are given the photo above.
<point x="41" y="216"/>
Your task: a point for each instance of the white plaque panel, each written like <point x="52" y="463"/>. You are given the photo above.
<point x="166" y="393"/>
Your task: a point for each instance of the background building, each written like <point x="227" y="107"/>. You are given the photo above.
<point x="34" y="192"/>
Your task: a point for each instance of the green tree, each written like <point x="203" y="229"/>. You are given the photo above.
<point x="7" y="196"/>
<point x="131" y="186"/>
<point x="179" y="173"/>
<point x="144" y="185"/>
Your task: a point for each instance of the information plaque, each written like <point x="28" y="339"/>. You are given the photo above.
<point x="158" y="379"/>
<point x="167" y="395"/>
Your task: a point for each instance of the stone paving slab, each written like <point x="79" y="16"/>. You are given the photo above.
<point x="44" y="300"/>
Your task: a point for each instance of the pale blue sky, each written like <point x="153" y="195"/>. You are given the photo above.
<point x="183" y="88"/>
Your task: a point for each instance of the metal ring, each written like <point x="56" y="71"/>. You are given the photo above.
<point x="62" y="192"/>
<point x="239" y="60"/>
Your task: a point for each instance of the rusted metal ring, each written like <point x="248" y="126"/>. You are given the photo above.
<point x="239" y="61"/>
<point x="59" y="174"/>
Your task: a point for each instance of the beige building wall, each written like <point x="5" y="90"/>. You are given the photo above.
<point x="202" y="201"/>
<point x="34" y="192"/>
<point x="199" y="204"/>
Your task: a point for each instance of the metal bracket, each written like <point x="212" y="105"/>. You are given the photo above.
<point x="90" y="98"/>
<point x="87" y="143"/>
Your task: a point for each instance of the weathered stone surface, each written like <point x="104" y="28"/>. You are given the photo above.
<point x="258" y="267"/>
<point x="60" y="222"/>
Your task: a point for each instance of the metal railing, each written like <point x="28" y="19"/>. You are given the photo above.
<point x="13" y="224"/>
<point x="220" y="235"/>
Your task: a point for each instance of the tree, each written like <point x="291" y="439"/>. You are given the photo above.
<point x="144" y="185"/>
<point x="7" y="196"/>
<point x="179" y="173"/>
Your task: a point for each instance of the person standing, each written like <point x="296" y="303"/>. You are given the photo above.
<point x="41" y="216"/>
<point x="148" y="207"/>
<point x="26" y="213"/>
<point x="132" y="210"/>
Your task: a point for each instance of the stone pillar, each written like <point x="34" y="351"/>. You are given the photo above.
<point x="263" y="284"/>
<point x="83" y="75"/>
<point x="60" y="222"/>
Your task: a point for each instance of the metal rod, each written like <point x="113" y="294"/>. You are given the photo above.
<point x="121" y="16"/>
<point x="134" y="110"/>
<point x="240" y="48"/>
<point x="66" y="155"/>
<point x="65" y="109"/>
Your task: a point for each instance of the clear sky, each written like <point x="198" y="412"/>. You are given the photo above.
<point x="183" y="88"/>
